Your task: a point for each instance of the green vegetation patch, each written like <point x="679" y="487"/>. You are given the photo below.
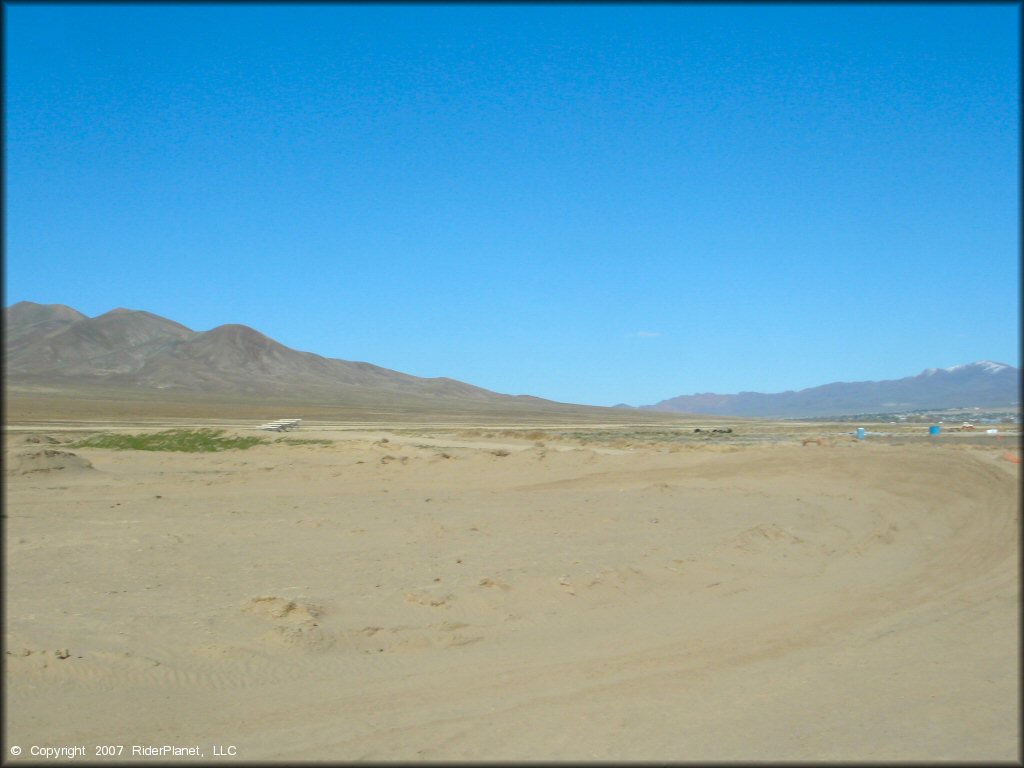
<point x="614" y="435"/>
<point x="303" y="441"/>
<point x="185" y="440"/>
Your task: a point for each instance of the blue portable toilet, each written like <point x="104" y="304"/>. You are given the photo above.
<point x="860" y="433"/>
<point x="934" y="430"/>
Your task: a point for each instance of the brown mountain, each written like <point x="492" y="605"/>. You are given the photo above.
<point x="56" y="346"/>
<point x="242" y="359"/>
<point x="118" y="342"/>
<point x="26" y="319"/>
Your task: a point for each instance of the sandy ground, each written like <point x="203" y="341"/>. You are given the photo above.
<point x="450" y="595"/>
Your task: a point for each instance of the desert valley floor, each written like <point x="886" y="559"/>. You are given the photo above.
<point x="439" y="592"/>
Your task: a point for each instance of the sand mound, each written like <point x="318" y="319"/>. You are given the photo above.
<point x="279" y="609"/>
<point x="34" y="439"/>
<point x="49" y="460"/>
<point x="293" y="623"/>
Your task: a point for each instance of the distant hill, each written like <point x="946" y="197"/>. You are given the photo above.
<point x="50" y="345"/>
<point x="983" y="384"/>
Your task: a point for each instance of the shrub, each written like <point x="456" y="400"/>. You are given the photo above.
<point x="183" y="440"/>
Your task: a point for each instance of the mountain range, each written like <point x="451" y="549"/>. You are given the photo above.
<point x="983" y="384"/>
<point x="52" y="347"/>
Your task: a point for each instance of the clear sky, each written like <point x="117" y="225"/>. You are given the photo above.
<point x="593" y="204"/>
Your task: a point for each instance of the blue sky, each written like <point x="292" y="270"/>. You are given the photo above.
<point x="593" y="204"/>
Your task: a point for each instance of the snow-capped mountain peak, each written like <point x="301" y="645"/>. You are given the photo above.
<point x="989" y="367"/>
<point x="985" y="365"/>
